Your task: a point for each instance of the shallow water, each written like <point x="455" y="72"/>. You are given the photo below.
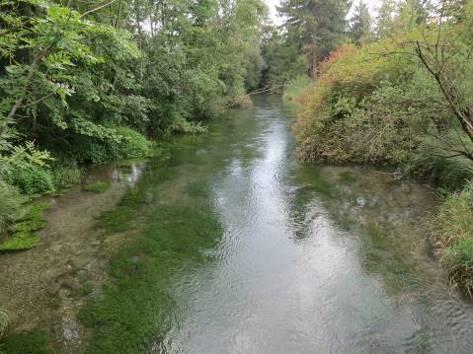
<point x="311" y="259"/>
<point x="231" y="246"/>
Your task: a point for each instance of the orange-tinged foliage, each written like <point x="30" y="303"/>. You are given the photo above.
<point x="346" y="77"/>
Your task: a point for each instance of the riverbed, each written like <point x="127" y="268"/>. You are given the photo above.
<point x="232" y="246"/>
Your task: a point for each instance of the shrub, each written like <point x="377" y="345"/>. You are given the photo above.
<point x="132" y="144"/>
<point x="32" y="180"/>
<point x="27" y="169"/>
<point x="183" y="126"/>
<point x="356" y="111"/>
<point x="123" y="143"/>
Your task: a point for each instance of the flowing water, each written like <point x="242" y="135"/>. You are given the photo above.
<point x="234" y="247"/>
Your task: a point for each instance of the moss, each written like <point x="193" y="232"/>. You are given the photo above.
<point x="97" y="187"/>
<point x="24" y="235"/>
<point x="20" y="241"/>
<point x="26" y="343"/>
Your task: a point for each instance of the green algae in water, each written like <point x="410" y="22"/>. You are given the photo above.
<point x="135" y="306"/>
<point x="26" y="343"/>
<point x="97" y="187"/>
<point x="24" y="234"/>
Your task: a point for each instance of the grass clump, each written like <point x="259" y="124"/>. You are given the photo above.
<point x="97" y="187"/>
<point x="453" y="232"/>
<point x="24" y="231"/>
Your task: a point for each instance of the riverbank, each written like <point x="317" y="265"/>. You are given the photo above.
<point x="377" y="105"/>
<point x="43" y="287"/>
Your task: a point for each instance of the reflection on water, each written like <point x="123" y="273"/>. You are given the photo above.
<point x="312" y="259"/>
<point x="129" y="174"/>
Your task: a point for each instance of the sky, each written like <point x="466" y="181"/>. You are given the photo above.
<point x="373" y="4"/>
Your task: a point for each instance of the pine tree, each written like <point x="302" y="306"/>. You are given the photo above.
<point x="316" y="26"/>
<point x="360" y="24"/>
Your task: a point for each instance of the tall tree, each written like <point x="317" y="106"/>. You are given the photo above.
<point x="360" y="24"/>
<point x="385" y="19"/>
<point x="317" y="26"/>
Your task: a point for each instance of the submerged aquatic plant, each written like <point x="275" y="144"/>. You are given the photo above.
<point x="97" y="187"/>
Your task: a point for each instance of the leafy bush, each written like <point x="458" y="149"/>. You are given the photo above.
<point x="132" y="144"/>
<point x="118" y="143"/>
<point x="183" y="126"/>
<point x="357" y="109"/>
<point x="27" y="169"/>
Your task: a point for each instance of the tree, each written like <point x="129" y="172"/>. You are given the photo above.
<point x="316" y="26"/>
<point x="360" y="24"/>
<point x="385" y="18"/>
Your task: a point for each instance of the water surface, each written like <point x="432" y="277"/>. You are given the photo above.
<point x="311" y="259"/>
<point x="232" y="246"/>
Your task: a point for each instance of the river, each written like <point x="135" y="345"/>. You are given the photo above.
<point x="262" y="254"/>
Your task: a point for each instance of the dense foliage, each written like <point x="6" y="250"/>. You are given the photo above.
<point x="402" y="97"/>
<point x="90" y="82"/>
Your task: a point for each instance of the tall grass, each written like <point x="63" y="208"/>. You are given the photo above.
<point x="453" y="231"/>
<point x="10" y="208"/>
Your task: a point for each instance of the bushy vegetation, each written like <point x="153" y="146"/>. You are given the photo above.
<point x="401" y="96"/>
<point x="86" y="83"/>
